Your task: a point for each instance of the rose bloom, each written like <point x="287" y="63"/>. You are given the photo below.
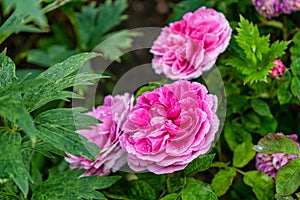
<point x="113" y="113"/>
<point x="169" y="127"/>
<point x="273" y="8"/>
<point x="289" y="6"/>
<point x="192" y="45"/>
<point x="268" y="8"/>
<point x="271" y="163"/>
<point x="278" y="69"/>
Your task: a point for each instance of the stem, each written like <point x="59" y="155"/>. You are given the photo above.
<point x="219" y="150"/>
<point x="54" y="5"/>
<point x="3" y="121"/>
<point x="285" y="29"/>
<point x="238" y="170"/>
<point x="273" y="23"/>
<point x="162" y="194"/>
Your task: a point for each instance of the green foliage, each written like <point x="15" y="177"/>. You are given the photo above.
<point x="11" y="161"/>
<point x="223" y="180"/>
<point x="256" y="54"/>
<point x="273" y="143"/>
<point x="262" y="185"/>
<point x="288" y="178"/>
<point x="37" y="125"/>
<point x="197" y="190"/>
<point x="57" y="127"/>
<point x="93" y="22"/>
<point x="261" y="107"/>
<point x="69" y="186"/>
<point x="235" y="135"/>
<point x="61" y="76"/>
<point x="113" y="44"/>
<point x="243" y="154"/>
<point x="175" y="183"/>
<point x="24" y="13"/>
<point x="199" y="164"/>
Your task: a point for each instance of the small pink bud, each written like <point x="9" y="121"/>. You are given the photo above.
<point x="278" y="69"/>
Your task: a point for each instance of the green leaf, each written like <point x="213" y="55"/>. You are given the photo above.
<point x="174" y="183"/>
<point x="67" y="185"/>
<point x="60" y="77"/>
<point x="93" y="21"/>
<point x="267" y="125"/>
<point x="172" y="196"/>
<point x="157" y="182"/>
<point x="57" y="127"/>
<point x="52" y="55"/>
<point x="255" y="61"/>
<point x="223" y="180"/>
<point x="243" y="154"/>
<point x="295" y="86"/>
<point x="284" y="95"/>
<point x="201" y="163"/>
<point x="11" y="160"/>
<point x="113" y="45"/>
<point x="261" y="107"/>
<point x="295" y="66"/>
<point x="273" y="143"/>
<point x="138" y="189"/>
<point x="262" y="185"/>
<point x="197" y="190"/>
<point x="295" y="47"/>
<point x="7" y="70"/>
<point x="235" y="135"/>
<point x="16" y="112"/>
<point x="288" y="178"/>
<point x="30" y="8"/>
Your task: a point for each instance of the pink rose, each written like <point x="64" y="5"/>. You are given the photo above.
<point x="278" y="69"/>
<point x="188" y="47"/>
<point x="113" y="113"/>
<point x="169" y="127"/>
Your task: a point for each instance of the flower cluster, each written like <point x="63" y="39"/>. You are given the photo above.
<point x="274" y="8"/>
<point x="162" y="133"/>
<point x="271" y="163"/>
<point x="171" y="125"/>
<point x="190" y="46"/>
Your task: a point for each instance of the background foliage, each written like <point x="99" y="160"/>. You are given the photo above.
<point x="37" y="124"/>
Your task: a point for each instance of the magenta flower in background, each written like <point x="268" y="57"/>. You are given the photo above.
<point x="278" y="69"/>
<point x="113" y="113"/>
<point x="271" y="163"/>
<point x="192" y="45"/>
<point x="274" y="8"/>
<point x="169" y="127"/>
<point x="268" y="8"/>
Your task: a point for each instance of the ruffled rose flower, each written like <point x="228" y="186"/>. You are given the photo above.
<point x="169" y="127"/>
<point x="188" y="47"/>
<point x="289" y="6"/>
<point x="113" y="113"/>
<point x="271" y="163"/>
<point x="274" y="8"/>
<point x="278" y="69"/>
<point x="268" y="8"/>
